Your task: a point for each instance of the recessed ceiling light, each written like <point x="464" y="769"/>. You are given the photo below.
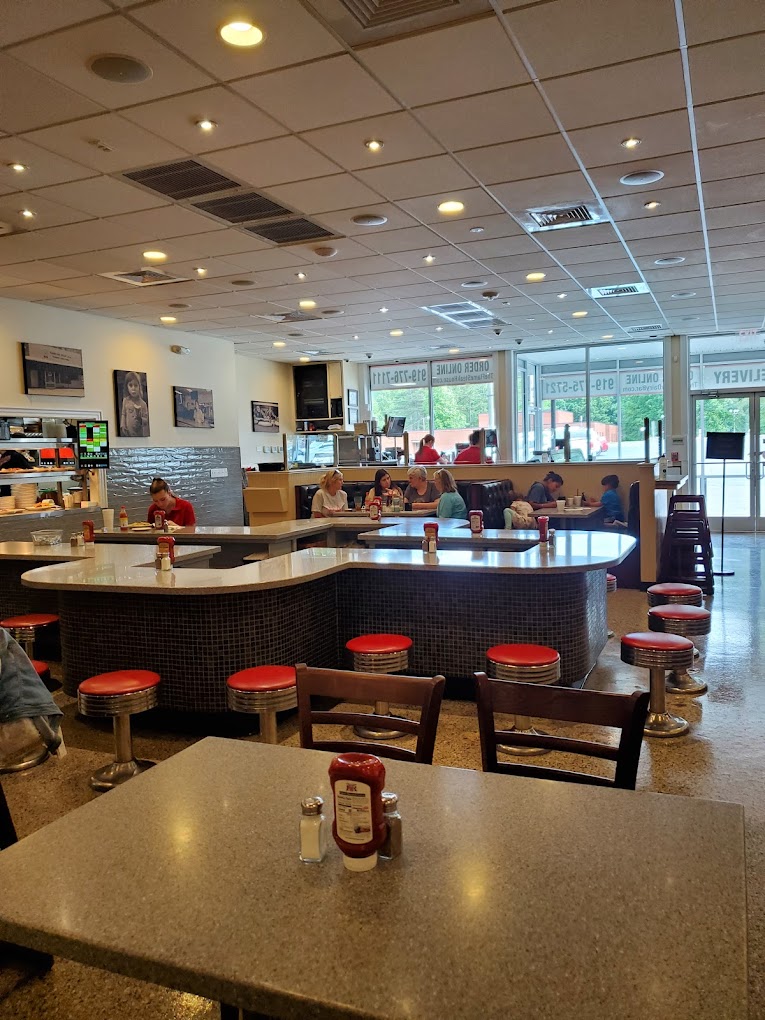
<point x="684" y="294"/>
<point x="304" y="359"/>
<point x="374" y="144"/>
<point x="397" y="332"/>
<point x="300" y="276"/>
<point x="206" y="125"/>
<point x="429" y="258"/>
<point x="473" y="284"/>
<point x="154" y="256"/>
<point x="439" y="328"/>
<point x="610" y="336"/>
<point x="651" y="205"/>
<point x="383" y="309"/>
<point x="578" y="315"/>
<point x="119" y="69"/>
<point x="450" y="207"/>
<point x="641" y="177"/>
<point x="279" y="343"/>
<point x="631" y="143"/>
<point x="549" y="331"/>
<point x="242" y="283"/>
<point x="355" y="336"/>
<point x="18" y="167"/>
<point x="477" y="230"/>
<point x="535" y="277"/>
<point x="200" y="270"/>
<point x="561" y="296"/>
<point x="307" y="303"/>
<point x="167" y="318"/>
<point x="670" y="260"/>
<point x="454" y="350"/>
<point x="27" y="214"/>
<point x="178" y="304"/>
<point x="240" y="33"/>
<point x="369" y="219"/>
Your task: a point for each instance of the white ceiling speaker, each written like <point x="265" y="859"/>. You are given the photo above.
<point x="638" y="177"/>
<point x="324" y="251"/>
<point x="369" y="219"/>
<point x="120" y="69"/>
<point x="670" y="260"/>
<point x="177" y="349"/>
<point x="329" y="312"/>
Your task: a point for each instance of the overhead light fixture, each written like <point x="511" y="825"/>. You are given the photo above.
<point x="241" y="33"/>
<point x="610" y="336"/>
<point x="451" y="207"/>
<point x="454" y="350"/>
<point x="477" y="230"/>
<point x="669" y="260"/>
<point x="684" y="294"/>
<point x="397" y="332"/>
<point x="279" y="343"/>
<point x="383" y="309"/>
<point x="300" y="276"/>
<point x="154" y="256"/>
<point x="561" y="296"/>
<point x="651" y="205"/>
<point x="355" y="336"/>
<point x="429" y="258"/>
<point x="535" y="277"/>
<point x="631" y="143"/>
<point x="304" y="359"/>
<point x="200" y="270"/>
<point x="206" y="125"/>
<point x="27" y="214"/>
<point x="167" y="318"/>
<point x="19" y="168"/>
<point x="307" y="303"/>
<point x="473" y="284"/>
<point x="550" y="331"/>
<point x="439" y="328"/>
<point x="374" y="144"/>
<point x="578" y="315"/>
<point x="641" y="177"/>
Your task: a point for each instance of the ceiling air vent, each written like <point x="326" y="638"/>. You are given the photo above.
<point x="295" y="316"/>
<point x="621" y="290"/>
<point x="290" y="231"/>
<point x="242" y="208"/>
<point x="372" y="13"/>
<point x="646" y="329"/>
<point x="556" y="217"/>
<point x="183" y="179"/>
<point x="467" y="314"/>
<point x="145" y="278"/>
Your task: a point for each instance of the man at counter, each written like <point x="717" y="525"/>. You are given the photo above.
<point x="542" y="494"/>
<point x="175" y="509"/>
<point x="472" y="454"/>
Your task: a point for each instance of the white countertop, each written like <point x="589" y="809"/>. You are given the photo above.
<point x="96" y="557"/>
<point x="119" y="567"/>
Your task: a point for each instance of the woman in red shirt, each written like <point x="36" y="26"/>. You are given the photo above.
<point x="472" y="454"/>
<point x="427" y="454"/>
<point x="177" y="510"/>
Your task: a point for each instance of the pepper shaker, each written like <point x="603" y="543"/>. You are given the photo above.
<point x="394" y="842"/>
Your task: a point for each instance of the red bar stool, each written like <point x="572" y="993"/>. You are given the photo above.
<point x="526" y="664"/>
<point x="263" y="690"/>
<point x="689" y="621"/>
<point x="675" y="593"/>
<point x="42" y="670"/>
<point x="611" y="586"/>
<point x="379" y="653"/>
<point x="119" y="695"/>
<point x="658" y="653"/>
<point x="24" y="628"/>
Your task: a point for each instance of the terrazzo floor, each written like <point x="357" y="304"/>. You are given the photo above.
<point x="722" y="758"/>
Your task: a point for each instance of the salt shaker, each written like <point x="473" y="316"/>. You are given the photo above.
<point x="393" y="844"/>
<point x="313" y="831"/>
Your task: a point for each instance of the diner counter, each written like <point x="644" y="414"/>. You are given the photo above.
<point x="91" y="555"/>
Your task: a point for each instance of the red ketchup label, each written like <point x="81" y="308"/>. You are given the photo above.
<point x="375" y="509"/>
<point x="159" y="520"/>
<point x="168" y="542"/>
<point x="476" y="521"/>
<point x="544" y="526"/>
<point x="89" y="531"/>
<point x="357" y="785"/>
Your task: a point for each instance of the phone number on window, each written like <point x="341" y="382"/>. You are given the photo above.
<point x="398" y="377"/>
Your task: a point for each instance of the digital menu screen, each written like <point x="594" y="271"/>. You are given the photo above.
<point x="93" y="444"/>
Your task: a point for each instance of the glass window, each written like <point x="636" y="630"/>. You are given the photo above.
<point x="458" y="411"/>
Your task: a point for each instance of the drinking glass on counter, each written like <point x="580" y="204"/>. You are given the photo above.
<point x="108" y="519"/>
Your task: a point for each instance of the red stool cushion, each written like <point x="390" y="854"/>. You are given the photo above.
<point x="41" y="668"/>
<point x="662" y="642"/>
<point x="379" y="644"/>
<point x="523" y="655"/>
<point x="121" y="681"/>
<point x="263" y="678"/>
<point x="29" y="620"/>
<point x="673" y="588"/>
<point x="610" y="578"/>
<point x="675" y="611"/>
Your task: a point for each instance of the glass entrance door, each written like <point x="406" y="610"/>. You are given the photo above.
<point x="744" y="484"/>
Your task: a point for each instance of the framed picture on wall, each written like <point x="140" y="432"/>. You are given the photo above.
<point x="193" y="408"/>
<point x="265" y="416"/>
<point x="52" y="371"/>
<point x="353" y="398"/>
<point x="353" y="415"/>
<point x="131" y="399"/>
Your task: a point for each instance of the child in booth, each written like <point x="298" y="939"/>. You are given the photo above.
<point x="610" y="500"/>
<point x="520" y="513"/>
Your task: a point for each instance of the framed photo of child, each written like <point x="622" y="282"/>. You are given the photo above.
<point x="131" y="399"/>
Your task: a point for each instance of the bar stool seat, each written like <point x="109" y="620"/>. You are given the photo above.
<point x="675" y="592"/>
<point x="379" y="653"/>
<point x="264" y="691"/>
<point x="118" y="695"/>
<point x="611" y="583"/>
<point x="24" y="627"/>
<point x="688" y="621"/>
<point x="658" y="652"/>
<point x="528" y="664"/>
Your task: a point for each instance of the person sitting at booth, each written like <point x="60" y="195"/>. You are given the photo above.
<point x="542" y="495"/>
<point x="175" y="509"/>
<point x="384" y="488"/>
<point x="472" y="454"/>
<point x="422" y="494"/>
<point x="427" y="453"/>
<point x="330" y="498"/>
<point x="450" y="503"/>
<point x="610" y="500"/>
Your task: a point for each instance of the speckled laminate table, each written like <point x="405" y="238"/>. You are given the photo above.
<point x="513" y="897"/>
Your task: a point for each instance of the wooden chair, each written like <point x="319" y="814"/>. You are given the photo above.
<point x="626" y="712"/>
<point x="426" y="693"/>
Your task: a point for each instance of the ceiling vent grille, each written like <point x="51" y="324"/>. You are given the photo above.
<point x="558" y="217"/>
<point x="646" y="329"/>
<point x="290" y="231"/>
<point x="145" y="278"/>
<point x="621" y="290"/>
<point x="295" y="316"/>
<point x="467" y="314"/>
<point x="183" y="179"/>
<point x="373" y="13"/>
<point x="242" y="208"/>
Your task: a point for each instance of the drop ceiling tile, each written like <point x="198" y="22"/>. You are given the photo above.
<point x="91" y="285"/>
<point x="171" y="221"/>
<point x="661" y="134"/>
<point x="47" y="213"/>
<point x="673" y="200"/>
<point x="735" y="236"/>
<point x="448" y="63"/>
<point x="397" y="277"/>
<point x="636" y="89"/>
<point x="64" y="57"/>
<point x="40" y="272"/>
<point x="443" y="255"/>
<point x="476" y="201"/>
<point x="667" y="245"/>
<point x="501" y="246"/>
<point x="577" y="237"/>
<point x="341" y="222"/>
<point x="403" y="139"/>
<point x="101" y="196"/>
<point x="736" y="266"/>
<point x="34" y="292"/>
<point x="175" y="119"/>
<point x="131" y="147"/>
<point x="362" y="267"/>
<point x="325" y="194"/>
<point x="504" y="116"/>
<point x="390" y="241"/>
<point x="279" y="161"/>
<point x="346" y="247"/>
<point x="457" y="231"/>
<point x="516" y="161"/>
<point x="570" y="188"/>
<point x="737" y="120"/>
<point x="43" y="167"/>
<point x="417" y="177"/>
<point x="734" y="161"/>
<point x="709" y="22"/>
<point x="592" y="253"/>
<point x="54" y="242"/>
<point x="30" y="100"/>
<point x="270" y="258"/>
<point x="622" y="28"/>
<point x="292" y="35"/>
<point x="656" y="226"/>
<point x="228" y="242"/>
<point x="678" y="171"/>
<point x="328" y="91"/>
<point x="734" y="192"/>
<point x="22" y="20"/>
<point x="727" y="70"/>
<point x="215" y="268"/>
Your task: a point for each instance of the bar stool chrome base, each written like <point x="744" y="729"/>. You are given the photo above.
<point x="117" y="772"/>
<point x="672" y="651"/>
<point x="380" y="662"/>
<point x="547" y="674"/>
<point x="688" y="621"/>
<point x="27" y="763"/>
<point x="681" y="682"/>
<point x="664" y="724"/>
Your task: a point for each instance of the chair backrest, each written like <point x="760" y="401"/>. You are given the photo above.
<point x="633" y="510"/>
<point x="625" y="712"/>
<point x="425" y="693"/>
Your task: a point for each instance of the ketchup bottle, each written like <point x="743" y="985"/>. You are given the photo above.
<point x="169" y="541"/>
<point x="359" y="824"/>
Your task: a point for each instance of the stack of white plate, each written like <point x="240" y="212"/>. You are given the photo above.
<point x="7" y="502"/>
<point x="25" y="494"/>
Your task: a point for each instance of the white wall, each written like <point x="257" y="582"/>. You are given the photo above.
<point x="109" y="344"/>
<point x="267" y="381"/>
